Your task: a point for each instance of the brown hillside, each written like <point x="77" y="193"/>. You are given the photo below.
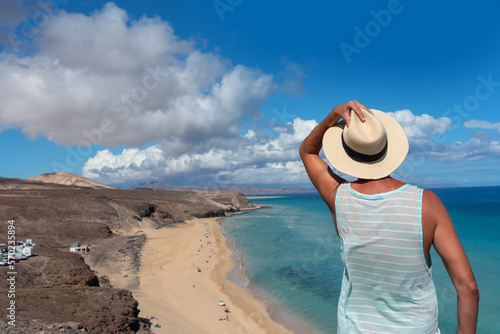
<point x="68" y="179"/>
<point x="63" y="215"/>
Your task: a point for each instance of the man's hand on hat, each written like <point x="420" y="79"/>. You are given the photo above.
<point x="344" y="111"/>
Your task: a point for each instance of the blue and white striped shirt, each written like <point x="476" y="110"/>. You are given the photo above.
<point x="387" y="286"/>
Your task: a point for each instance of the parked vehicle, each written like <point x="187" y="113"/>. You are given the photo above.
<point x="20" y="256"/>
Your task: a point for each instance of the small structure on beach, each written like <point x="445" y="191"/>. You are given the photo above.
<point x="76" y="248"/>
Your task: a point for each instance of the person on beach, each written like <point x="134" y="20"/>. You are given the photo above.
<point x="386" y="228"/>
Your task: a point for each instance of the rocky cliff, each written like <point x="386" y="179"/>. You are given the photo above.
<point x="61" y="215"/>
<point x="58" y="287"/>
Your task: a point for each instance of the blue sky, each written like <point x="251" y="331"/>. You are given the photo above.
<point x="222" y="92"/>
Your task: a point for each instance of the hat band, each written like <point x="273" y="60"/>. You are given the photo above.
<point x="356" y="156"/>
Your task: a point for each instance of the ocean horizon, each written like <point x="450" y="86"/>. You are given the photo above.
<point x="288" y="256"/>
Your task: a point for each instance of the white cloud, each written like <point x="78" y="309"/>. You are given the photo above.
<point x="474" y="123"/>
<point x="420" y="127"/>
<point x="289" y="172"/>
<point x="477" y="148"/>
<point x="104" y="78"/>
<point x="423" y="146"/>
<point x="251" y="159"/>
<point x="106" y="42"/>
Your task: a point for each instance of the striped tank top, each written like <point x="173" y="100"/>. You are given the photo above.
<point x="387" y="286"/>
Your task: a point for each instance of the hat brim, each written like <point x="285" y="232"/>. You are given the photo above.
<point x="397" y="149"/>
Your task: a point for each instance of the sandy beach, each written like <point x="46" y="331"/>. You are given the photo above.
<point x="182" y="277"/>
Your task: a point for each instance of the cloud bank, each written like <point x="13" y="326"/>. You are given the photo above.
<point x="253" y="158"/>
<point x="261" y="158"/>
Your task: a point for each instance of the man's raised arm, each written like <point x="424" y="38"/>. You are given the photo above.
<point x="320" y="174"/>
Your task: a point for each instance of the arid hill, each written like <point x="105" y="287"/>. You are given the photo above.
<point x="57" y="286"/>
<point x="68" y="179"/>
<point x="13" y="183"/>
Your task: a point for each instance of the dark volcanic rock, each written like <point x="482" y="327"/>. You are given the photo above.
<point x="39" y="326"/>
<point x="51" y="268"/>
<point x="145" y="209"/>
<point x="100" y="310"/>
<point x="58" y="286"/>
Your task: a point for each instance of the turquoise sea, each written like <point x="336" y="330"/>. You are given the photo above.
<point x="290" y="258"/>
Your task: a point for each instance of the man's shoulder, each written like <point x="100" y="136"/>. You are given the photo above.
<point x="432" y="208"/>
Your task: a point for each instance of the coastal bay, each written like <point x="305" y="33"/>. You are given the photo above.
<point x="183" y="276"/>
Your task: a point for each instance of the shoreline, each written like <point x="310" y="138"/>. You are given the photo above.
<point x="181" y="299"/>
<point x="275" y="309"/>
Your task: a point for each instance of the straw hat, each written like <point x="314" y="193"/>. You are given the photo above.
<point x="369" y="150"/>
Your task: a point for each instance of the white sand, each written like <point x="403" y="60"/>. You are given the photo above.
<point x="169" y="262"/>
